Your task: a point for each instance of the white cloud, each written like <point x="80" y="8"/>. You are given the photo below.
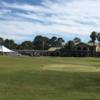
<point x="27" y="7"/>
<point x="75" y="16"/>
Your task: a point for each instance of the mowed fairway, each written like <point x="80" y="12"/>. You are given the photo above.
<point x="48" y="78"/>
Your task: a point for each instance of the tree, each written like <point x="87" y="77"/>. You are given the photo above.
<point x="70" y="45"/>
<point x="60" y="42"/>
<point x="56" y="42"/>
<point x="44" y="43"/>
<point x="1" y="41"/>
<point x="10" y="44"/>
<point x="53" y="42"/>
<point x="76" y="40"/>
<point x="98" y="38"/>
<point x="28" y="45"/>
<point x="93" y="37"/>
<point x="41" y="43"/>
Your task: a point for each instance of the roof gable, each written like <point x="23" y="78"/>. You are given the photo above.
<point x="82" y="44"/>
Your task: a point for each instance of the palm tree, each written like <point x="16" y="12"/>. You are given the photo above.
<point x="98" y="38"/>
<point x="93" y="37"/>
<point x="77" y="40"/>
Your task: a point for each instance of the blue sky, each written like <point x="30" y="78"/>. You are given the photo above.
<point x="23" y="19"/>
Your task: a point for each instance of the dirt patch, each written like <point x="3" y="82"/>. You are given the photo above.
<point x="70" y="67"/>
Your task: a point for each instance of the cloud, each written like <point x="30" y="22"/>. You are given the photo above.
<point x="66" y="17"/>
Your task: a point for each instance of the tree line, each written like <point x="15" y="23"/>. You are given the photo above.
<point x="39" y="43"/>
<point x="44" y="43"/>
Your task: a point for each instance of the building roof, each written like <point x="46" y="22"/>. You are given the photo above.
<point x="81" y="43"/>
<point x="54" y="48"/>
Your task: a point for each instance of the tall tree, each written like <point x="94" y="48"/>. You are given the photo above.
<point x="10" y="44"/>
<point x="53" y="41"/>
<point x="98" y="38"/>
<point x="41" y="43"/>
<point x="70" y="45"/>
<point x="60" y="42"/>
<point x="93" y="37"/>
<point x="27" y="45"/>
<point x="76" y="40"/>
<point x="56" y="42"/>
<point x="1" y="41"/>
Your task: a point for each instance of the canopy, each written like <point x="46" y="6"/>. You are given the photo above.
<point x="5" y="49"/>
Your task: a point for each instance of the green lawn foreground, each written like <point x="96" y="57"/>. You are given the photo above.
<point x="49" y="78"/>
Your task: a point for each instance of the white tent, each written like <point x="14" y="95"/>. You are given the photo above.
<point x="5" y="49"/>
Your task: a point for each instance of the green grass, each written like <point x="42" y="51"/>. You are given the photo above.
<point x="48" y="78"/>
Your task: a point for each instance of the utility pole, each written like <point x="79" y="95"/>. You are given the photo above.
<point x="43" y="45"/>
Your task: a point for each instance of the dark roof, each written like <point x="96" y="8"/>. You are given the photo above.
<point x="81" y="43"/>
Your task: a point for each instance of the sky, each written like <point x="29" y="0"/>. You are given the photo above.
<point x="24" y="19"/>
